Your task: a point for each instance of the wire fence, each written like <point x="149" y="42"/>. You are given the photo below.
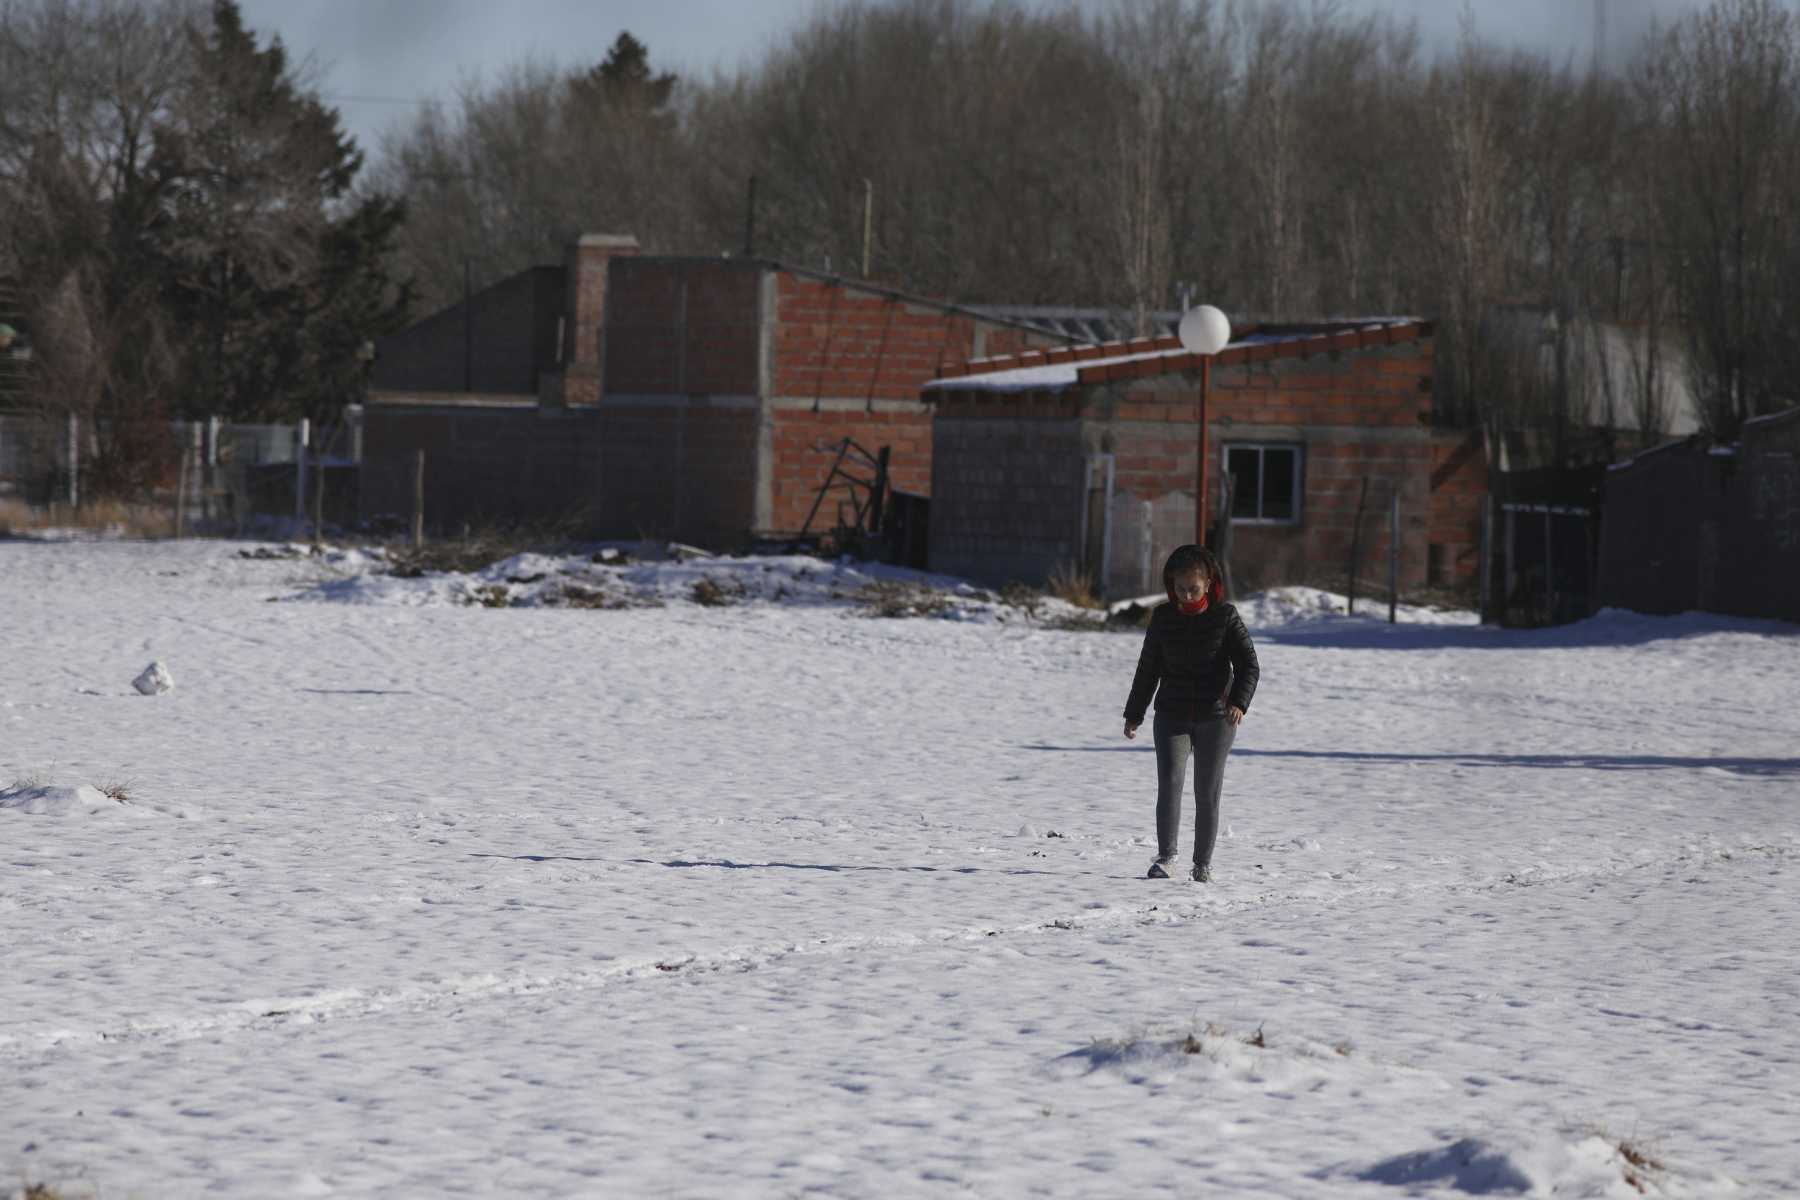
<point x="210" y="475"/>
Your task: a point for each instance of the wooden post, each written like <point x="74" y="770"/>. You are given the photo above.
<point x="74" y="461"/>
<point x="196" y="459"/>
<point x="181" y="487"/>
<point x="1393" y="554"/>
<point x="418" y="514"/>
<point x="1227" y="496"/>
<point x="1362" y="503"/>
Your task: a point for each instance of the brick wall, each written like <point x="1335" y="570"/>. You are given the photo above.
<point x="847" y="362"/>
<point x="1459" y="492"/>
<point x="1355" y="415"/>
<point x="804" y="444"/>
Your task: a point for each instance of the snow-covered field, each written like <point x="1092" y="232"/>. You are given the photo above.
<point x="410" y="897"/>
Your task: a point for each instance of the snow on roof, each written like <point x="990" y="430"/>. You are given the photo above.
<point x="1070" y="372"/>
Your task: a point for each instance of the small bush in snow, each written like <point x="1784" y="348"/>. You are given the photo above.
<point x="492" y="595"/>
<point x="715" y="593"/>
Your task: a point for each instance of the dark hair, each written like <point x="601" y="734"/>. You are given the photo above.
<point x="1194" y="558"/>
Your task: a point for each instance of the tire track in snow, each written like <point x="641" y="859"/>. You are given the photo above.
<point x="259" y="1015"/>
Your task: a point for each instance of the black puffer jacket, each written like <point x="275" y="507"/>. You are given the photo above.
<point x="1196" y="660"/>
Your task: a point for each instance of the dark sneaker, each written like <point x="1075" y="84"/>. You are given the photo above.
<point x="1158" y="869"/>
<point x="1201" y="873"/>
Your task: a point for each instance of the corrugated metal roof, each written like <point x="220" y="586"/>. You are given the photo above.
<point x="1088" y="325"/>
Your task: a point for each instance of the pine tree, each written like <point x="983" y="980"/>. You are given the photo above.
<point x="275" y="271"/>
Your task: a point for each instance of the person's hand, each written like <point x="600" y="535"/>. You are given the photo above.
<point x="1233" y="713"/>
<point x="1131" y="728"/>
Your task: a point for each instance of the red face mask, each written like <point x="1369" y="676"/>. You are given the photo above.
<point x="1193" y="608"/>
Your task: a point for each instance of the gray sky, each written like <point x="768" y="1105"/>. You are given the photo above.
<point x="376" y="59"/>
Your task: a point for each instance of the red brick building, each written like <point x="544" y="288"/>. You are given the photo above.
<point x="1086" y="457"/>
<point x="702" y="399"/>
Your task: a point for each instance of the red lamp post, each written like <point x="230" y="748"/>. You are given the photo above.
<point x="1204" y="331"/>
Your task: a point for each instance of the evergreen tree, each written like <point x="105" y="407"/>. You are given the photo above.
<point x="275" y="273"/>
<point x="624" y="82"/>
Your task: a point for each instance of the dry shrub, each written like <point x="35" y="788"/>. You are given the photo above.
<point x="892" y="598"/>
<point x="1074" y="585"/>
<point x="715" y="593"/>
<point x="481" y="546"/>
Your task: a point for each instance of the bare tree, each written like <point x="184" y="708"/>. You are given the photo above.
<point x="1720" y="88"/>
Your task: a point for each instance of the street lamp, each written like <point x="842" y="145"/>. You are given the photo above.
<point x="1204" y="331"/>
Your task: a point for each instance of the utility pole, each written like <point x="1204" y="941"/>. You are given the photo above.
<point x="868" y="221"/>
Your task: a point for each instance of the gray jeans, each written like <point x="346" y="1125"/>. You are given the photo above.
<point x="1207" y="740"/>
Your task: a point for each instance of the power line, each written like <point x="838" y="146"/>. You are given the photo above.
<point x="380" y="99"/>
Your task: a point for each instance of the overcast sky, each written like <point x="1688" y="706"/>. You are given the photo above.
<point x="377" y="59"/>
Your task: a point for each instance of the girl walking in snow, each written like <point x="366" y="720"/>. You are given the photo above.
<point x="1198" y="661"/>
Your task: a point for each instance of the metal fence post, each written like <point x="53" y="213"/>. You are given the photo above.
<point x="302" y="434"/>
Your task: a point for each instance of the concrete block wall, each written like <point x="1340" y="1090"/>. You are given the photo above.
<point x="1007" y="494"/>
<point x="494" y="463"/>
<point x="509" y="327"/>
<point x="680" y="468"/>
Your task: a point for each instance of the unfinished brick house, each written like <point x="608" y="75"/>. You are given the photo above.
<point x="1086" y="458"/>
<point x="700" y="399"/>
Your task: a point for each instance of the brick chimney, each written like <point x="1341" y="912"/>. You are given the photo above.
<point x="584" y="311"/>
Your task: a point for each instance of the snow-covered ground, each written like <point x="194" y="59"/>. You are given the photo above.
<point x="414" y="896"/>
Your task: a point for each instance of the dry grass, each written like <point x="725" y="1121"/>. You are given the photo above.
<point x="118" y="789"/>
<point x="101" y="516"/>
<point x="1074" y="585"/>
<point x="1637" y="1164"/>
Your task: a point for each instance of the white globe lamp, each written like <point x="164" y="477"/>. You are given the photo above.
<point x="1204" y="330"/>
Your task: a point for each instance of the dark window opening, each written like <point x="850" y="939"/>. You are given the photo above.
<point x="1265" y="482"/>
